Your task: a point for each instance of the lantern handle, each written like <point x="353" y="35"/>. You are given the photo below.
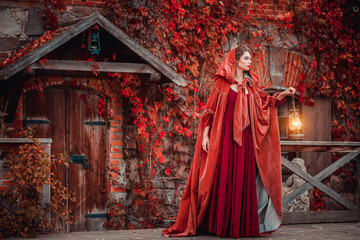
<point x="293" y="102"/>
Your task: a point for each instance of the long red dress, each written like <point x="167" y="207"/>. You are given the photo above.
<point x="232" y="210"/>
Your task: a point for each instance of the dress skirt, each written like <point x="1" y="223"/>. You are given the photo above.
<point x="232" y="210"/>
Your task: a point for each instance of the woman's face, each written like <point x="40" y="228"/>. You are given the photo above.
<point x="244" y="62"/>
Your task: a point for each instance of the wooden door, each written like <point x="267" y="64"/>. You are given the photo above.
<point x="76" y="128"/>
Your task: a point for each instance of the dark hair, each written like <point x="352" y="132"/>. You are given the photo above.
<point x="239" y="51"/>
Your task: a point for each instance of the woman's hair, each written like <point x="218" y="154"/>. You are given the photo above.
<point x="239" y="51"/>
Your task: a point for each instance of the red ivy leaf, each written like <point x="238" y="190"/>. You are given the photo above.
<point x="43" y="61"/>
<point x="211" y="2"/>
<point x="310" y="102"/>
<point x="186" y="2"/>
<point x="28" y="69"/>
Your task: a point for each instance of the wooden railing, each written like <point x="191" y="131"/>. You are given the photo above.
<point x="352" y="149"/>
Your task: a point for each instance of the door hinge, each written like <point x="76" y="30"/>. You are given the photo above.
<point x="80" y="159"/>
<point x="98" y="123"/>
<point x="35" y="121"/>
<point x="98" y="215"/>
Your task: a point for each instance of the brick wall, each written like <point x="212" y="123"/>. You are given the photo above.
<point x="117" y="161"/>
<point x="281" y="67"/>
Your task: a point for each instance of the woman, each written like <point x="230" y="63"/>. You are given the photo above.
<point x="234" y="184"/>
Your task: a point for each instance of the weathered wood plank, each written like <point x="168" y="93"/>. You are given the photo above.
<point x="67" y="65"/>
<point x="23" y="140"/>
<point x="336" y="165"/>
<point x="318" y="149"/>
<point x="8" y="144"/>
<point x="319" y="146"/>
<point x="96" y="174"/>
<point x="358" y="178"/>
<point x="325" y="189"/>
<point x="319" y="143"/>
<point x="4" y="203"/>
<point x="51" y="108"/>
<point x="54" y="43"/>
<point x="321" y="217"/>
<point x="320" y="176"/>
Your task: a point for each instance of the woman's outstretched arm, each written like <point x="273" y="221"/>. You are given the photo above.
<point x="288" y="92"/>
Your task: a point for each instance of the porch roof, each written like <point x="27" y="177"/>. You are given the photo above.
<point x="30" y="55"/>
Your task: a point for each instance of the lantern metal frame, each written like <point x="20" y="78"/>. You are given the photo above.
<point x="295" y="123"/>
<point x="94" y="45"/>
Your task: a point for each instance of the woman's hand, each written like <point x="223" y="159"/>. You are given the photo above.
<point x="205" y="142"/>
<point x="288" y="92"/>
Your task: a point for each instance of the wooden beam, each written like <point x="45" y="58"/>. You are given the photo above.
<point x="320" y="176"/>
<point x="319" y="146"/>
<point x="358" y="178"/>
<point x="321" y="217"/>
<point x="51" y="45"/>
<point x="67" y="65"/>
<point x="8" y="144"/>
<point x="24" y="140"/>
<point x="322" y="187"/>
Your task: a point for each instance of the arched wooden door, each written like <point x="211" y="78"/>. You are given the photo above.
<point x="73" y="123"/>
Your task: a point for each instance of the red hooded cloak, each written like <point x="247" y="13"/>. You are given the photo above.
<point x="265" y="132"/>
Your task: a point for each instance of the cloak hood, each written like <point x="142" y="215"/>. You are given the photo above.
<point x="227" y="69"/>
<point x="241" y="115"/>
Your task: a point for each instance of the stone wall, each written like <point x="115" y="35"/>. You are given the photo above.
<point x="16" y="28"/>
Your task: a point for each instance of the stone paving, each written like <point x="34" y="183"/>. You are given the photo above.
<point x="329" y="231"/>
